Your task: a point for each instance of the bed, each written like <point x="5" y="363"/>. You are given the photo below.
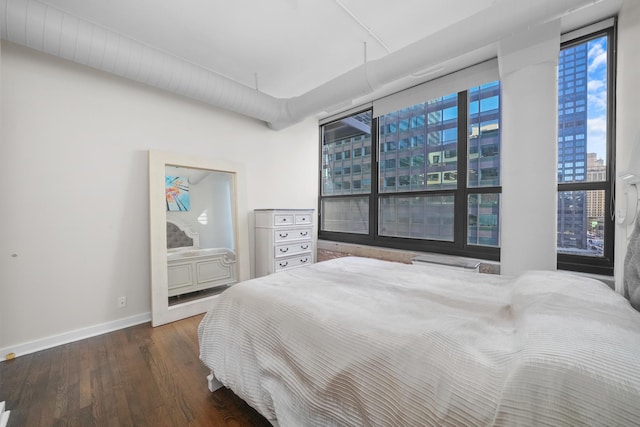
<point x="357" y="341"/>
<point x="192" y="268"/>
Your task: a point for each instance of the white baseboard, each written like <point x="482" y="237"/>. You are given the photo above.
<point x="71" y="336"/>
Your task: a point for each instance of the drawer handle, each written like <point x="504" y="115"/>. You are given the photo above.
<point x="284" y="219"/>
<point x="284" y="264"/>
<point x="304" y="260"/>
<point x="304" y="246"/>
<point x="304" y="233"/>
<point x="303" y="219"/>
<point x="284" y="236"/>
<point x="284" y="250"/>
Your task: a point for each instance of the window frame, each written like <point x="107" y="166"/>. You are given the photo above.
<point x="461" y="192"/>
<point x="582" y="263"/>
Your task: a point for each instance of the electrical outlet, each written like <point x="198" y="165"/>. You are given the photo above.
<point x="122" y="302"/>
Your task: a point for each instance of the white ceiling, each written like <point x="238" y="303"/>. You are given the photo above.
<point x="286" y="48"/>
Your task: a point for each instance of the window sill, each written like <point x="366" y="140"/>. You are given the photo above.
<point x="329" y="250"/>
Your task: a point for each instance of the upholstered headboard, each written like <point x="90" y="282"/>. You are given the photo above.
<point x="179" y="236"/>
<point x="628" y="214"/>
<point x="632" y="268"/>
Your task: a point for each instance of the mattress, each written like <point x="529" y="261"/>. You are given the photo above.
<point x="363" y="342"/>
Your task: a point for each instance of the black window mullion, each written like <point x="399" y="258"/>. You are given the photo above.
<point x="461" y="199"/>
<point x="584" y="186"/>
<point x="374" y="194"/>
<point x="609" y="222"/>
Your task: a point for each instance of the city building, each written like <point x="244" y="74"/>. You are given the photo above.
<point x="572" y="146"/>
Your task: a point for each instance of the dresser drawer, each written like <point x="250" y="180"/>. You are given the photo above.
<point x="285" y="264"/>
<point x="292" y="249"/>
<point x="303" y="218"/>
<point x="283" y="219"/>
<point x="292" y="234"/>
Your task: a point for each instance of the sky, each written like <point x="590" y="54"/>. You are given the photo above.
<point x="597" y="97"/>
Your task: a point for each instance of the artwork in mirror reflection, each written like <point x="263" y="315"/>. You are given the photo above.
<point x="201" y="258"/>
<point x="177" y="193"/>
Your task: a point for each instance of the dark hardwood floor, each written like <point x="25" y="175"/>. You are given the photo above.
<point x="138" y="376"/>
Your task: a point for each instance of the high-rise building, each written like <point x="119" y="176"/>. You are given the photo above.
<point x="572" y="146"/>
<point x="596" y="171"/>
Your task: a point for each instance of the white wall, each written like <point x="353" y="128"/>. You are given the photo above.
<point x="73" y="163"/>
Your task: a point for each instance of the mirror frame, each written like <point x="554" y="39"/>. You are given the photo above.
<point x="161" y="311"/>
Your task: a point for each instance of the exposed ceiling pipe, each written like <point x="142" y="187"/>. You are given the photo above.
<point x="503" y="19"/>
<point x="44" y="28"/>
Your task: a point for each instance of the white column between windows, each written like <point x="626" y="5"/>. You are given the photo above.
<point x="528" y="73"/>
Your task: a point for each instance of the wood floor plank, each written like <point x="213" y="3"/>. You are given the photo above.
<point x="138" y="376"/>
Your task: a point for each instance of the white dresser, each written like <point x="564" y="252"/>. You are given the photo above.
<point x="284" y="239"/>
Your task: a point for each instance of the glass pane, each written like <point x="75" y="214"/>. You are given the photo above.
<point x="419" y="147"/>
<point x="582" y="112"/>
<point x="483" y="220"/>
<point x="347" y="215"/>
<point x="581" y="222"/>
<point x="421" y="217"/>
<point x="346" y="155"/>
<point x="483" y="164"/>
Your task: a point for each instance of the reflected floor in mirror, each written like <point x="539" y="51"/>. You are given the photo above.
<point x="192" y="296"/>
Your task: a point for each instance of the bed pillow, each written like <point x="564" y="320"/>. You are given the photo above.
<point x="632" y="268"/>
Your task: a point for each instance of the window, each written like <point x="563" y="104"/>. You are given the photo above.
<point x="585" y="153"/>
<point x="418" y="201"/>
<point x="347" y="210"/>
<point x="428" y="173"/>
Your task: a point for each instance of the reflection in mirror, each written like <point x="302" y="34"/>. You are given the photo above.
<point x="198" y="243"/>
<point x="201" y="258"/>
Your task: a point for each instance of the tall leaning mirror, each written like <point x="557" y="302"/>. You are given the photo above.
<point x="198" y="242"/>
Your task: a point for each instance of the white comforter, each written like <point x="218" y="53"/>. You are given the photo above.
<point x="362" y="342"/>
